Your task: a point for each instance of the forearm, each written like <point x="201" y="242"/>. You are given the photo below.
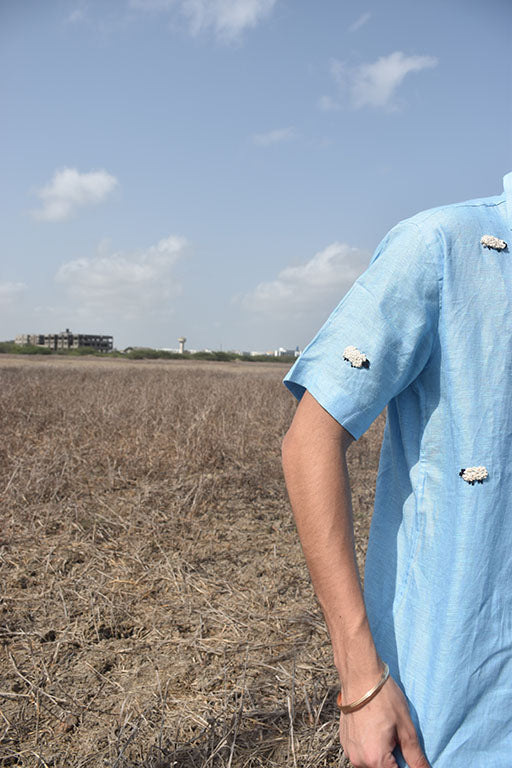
<point x="317" y="481"/>
<point x="316" y="474"/>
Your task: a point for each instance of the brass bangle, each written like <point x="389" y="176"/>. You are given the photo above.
<point x="346" y="708"/>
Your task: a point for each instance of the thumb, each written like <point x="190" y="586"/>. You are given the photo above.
<point x="411" y="750"/>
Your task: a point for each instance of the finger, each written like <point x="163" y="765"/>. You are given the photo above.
<point x="411" y="751"/>
<point x="389" y="761"/>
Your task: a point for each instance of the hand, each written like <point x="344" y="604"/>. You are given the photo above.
<point x="369" y="735"/>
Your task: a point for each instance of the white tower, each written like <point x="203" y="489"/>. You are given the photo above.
<point x="181" y="342"/>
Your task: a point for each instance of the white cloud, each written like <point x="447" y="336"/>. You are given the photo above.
<point x="10" y="293"/>
<point x="69" y="190"/>
<point x="311" y="287"/>
<point x="226" y="18"/>
<point x="358" y="23"/>
<point x="273" y="137"/>
<point x="374" y="84"/>
<point x="124" y="285"/>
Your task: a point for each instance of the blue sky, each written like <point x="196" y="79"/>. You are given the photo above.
<point x="224" y="169"/>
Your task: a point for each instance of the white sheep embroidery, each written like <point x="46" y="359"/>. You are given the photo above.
<point x="355" y="357"/>
<point x="473" y="474"/>
<point x="489" y="241"/>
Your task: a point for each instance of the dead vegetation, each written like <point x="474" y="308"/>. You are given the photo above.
<point x="156" y="609"/>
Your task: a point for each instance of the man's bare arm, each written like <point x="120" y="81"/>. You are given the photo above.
<point x="317" y="480"/>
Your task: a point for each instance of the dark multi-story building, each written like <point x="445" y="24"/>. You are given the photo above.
<point x="66" y="340"/>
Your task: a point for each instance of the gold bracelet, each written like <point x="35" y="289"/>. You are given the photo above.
<point x="346" y="708"/>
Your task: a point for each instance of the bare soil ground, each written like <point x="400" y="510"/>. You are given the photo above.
<point x="156" y="609"/>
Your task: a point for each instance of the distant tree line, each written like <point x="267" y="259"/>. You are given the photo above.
<point x="142" y="353"/>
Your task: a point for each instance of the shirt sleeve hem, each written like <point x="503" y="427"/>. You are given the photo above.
<point x="339" y="406"/>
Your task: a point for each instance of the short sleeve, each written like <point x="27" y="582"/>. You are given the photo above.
<point x="379" y="337"/>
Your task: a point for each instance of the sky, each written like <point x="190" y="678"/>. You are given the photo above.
<point x="223" y="170"/>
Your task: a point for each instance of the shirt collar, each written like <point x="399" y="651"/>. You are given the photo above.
<point x="507" y="191"/>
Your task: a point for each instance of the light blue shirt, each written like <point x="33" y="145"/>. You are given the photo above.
<point x="431" y="323"/>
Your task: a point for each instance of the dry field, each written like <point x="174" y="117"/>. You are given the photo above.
<point x="155" y="606"/>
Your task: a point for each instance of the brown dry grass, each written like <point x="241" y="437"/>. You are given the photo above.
<point x="156" y="609"/>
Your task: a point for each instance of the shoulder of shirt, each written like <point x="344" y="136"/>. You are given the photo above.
<point x="452" y="215"/>
<point x="441" y="229"/>
<point x="435" y="231"/>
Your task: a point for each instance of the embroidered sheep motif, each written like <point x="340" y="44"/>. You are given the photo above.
<point x="489" y="241"/>
<point x="473" y="474"/>
<point x="355" y="357"/>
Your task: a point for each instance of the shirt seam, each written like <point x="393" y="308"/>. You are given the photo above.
<point x="440" y="285"/>
<point x="419" y="517"/>
<point x="429" y="212"/>
<point x="420" y="483"/>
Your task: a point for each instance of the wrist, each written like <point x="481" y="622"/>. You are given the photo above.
<point x="359" y="665"/>
<point x="352" y="706"/>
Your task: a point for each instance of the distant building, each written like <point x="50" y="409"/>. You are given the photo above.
<point x="66" y="340"/>
<point x="282" y="352"/>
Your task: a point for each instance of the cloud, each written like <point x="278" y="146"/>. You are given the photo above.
<point x="328" y="104"/>
<point x="78" y="15"/>
<point x="126" y="285"/>
<point x="10" y="293"/>
<point x="153" y="5"/>
<point x="226" y="18"/>
<point x="358" y="23"/>
<point x="374" y="84"/>
<point x="311" y="287"/>
<point x="273" y="137"/>
<point x="69" y="190"/>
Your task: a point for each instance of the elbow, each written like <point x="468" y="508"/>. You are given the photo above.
<point x="295" y="459"/>
<point x="291" y="446"/>
<point x="300" y="446"/>
<point x="286" y="446"/>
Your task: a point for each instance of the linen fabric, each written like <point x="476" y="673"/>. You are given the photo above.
<point x="432" y="313"/>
